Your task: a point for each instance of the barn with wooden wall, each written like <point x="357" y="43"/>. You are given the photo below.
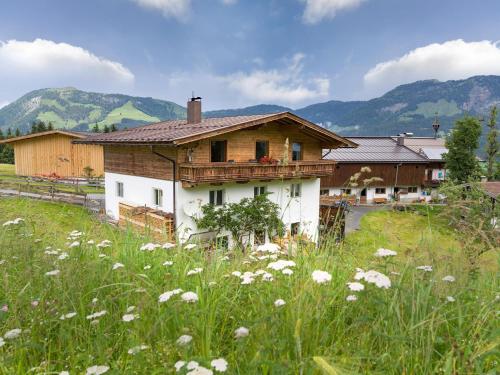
<point x="53" y="153"/>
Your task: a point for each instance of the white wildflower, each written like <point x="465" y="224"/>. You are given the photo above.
<point x="267" y="277"/>
<point x="118" y="265"/>
<point x="168" y="246"/>
<point x="449" y="278"/>
<point x="194" y="271"/>
<point x="2" y="342"/>
<point x="245" y="280"/>
<point x="136" y="349"/>
<point x="189" y="297"/>
<point x="271" y="248"/>
<point x="178" y="365"/>
<point x="219" y="364"/>
<point x="355" y="287"/>
<point x="90" y="242"/>
<point x="279" y="302"/>
<point x="374" y="277"/>
<point x="67" y="316"/>
<point x="128" y="317"/>
<point x="149" y="247"/>
<point x="97" y="370"/>
<point x="12" y="334"/>
<point x="192" y="365"/>
<point x="96" y="315"/>
<point x="147" y="267"/>
<point x="64" y="373"/>
<point x="351" y="298"/>
<point x="241" y="332"/>
<point x="236" y="273"/>
<point x="52" y="273"/>
<point x="281" y="264"/>
<point x="184" y="340"/>
<point x="382" y="253"/>
<point x="450" y="299"/>
<point x="287" y="271"/>
<point x="167" y="295"/>
<point x="103" y="244"/>
<point x="74" y="244"/>
<point x="189" y="246"/>
<point x="63" y="256"/>
<point x="102" y="255"/>
<point x="168" y="263"/>
<point x="130" y="309"/>
<point x="321" y="277"/>
<point x="425" y="268"/>
<point x="200" y="370"/>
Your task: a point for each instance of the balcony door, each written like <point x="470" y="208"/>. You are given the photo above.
<point x="218" y="151"/>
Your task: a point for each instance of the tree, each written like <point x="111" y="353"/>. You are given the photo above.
<point x="18" y="132"/>
<point x="50" y="126"/>
<point x="113" y="128"/>
<point x="106" y="129"/>
<point x="492" y="144"/>
<point x="248" y="216"/>
<point x="34" y="128"/>
<point x="462" y="143"/>
<point x="41" y="127"/>
<point x="95" y="128"/>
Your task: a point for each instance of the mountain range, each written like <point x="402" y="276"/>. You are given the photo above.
<point x="407" y="108"/>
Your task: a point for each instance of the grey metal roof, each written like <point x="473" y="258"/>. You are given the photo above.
<point x="433" y="153"/>
<point x="375" y="149"/>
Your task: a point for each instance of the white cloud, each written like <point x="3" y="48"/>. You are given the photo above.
<point x="26" y="65"/>
<point x="317" y="10"/>
<point x="455" y="59"/>
<point x="288" y="86"/>
<point x="179" y="9"/>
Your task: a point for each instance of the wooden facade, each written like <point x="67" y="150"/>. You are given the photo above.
<point x="53" y="153"/>
<point x="392" y="174"/>
<point x="193" y="160"/>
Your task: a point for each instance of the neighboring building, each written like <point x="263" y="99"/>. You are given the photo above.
<point x="177" y="166"/>
<point x="433" y="150"/>
<point x="52" y="153"/>
<point x="395" y="171"/>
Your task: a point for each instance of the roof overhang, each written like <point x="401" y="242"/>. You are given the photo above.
<point x="43" y="134"/>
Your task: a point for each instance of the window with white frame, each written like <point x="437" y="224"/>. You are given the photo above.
<point x="345" y="191"/>
<point x="324" y="192"/>
<point x="259" y="190"/>
<point x="295" y="190"/>
<point x="119" y="189"/>
<point x="380" y="190"/>
<point x="412" y="189"/>
<point x="216" y="197"/>
<point x="157" y="197"/>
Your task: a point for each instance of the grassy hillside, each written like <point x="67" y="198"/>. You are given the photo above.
<point x="74" y="109"/>
<point x="68" y="306"/>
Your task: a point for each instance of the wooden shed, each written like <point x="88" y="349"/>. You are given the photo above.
<point x="53" y="153"/>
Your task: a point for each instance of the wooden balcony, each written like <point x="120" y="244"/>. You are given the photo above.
<point x="202" y="173"/>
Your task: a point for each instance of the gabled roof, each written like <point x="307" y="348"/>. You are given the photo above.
<point x="72" y="134"/>
<point x="178" y="132"/>
<point x="375" y="150"/>
<point x="428" y="147"/>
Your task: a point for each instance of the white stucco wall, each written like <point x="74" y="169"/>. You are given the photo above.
<point x="389" y="192"/>
<point x="137" y="191"/>
<point x="304" y="209"/>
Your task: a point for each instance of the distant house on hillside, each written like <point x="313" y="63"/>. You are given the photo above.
<point x="171" y="168"/>
<point x="52" y="153"/>
<point x="384" y="168"/>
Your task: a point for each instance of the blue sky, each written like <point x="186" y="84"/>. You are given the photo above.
<point x="242" y="52"/>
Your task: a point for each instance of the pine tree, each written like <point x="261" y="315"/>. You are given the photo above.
<point x="50" y="126"/>
<point x="34" y="127"/>
<point x="41" y="127"/>
<point x="462" y="144"/>
<point x="95" y="129"/>
<point x="18" y="132"/>
<point x="492" y="144"/>
<point x="106" y="129"/>
<point x="113" y="128"/>
<point x="9" y="133"/>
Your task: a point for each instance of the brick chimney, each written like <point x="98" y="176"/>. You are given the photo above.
<point x="194" y="110"/>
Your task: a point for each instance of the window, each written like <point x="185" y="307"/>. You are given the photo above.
<point x="345" y="191"/>
<point x="379" y="190"/>
<point x="296" y="151"/>
<point x="412" y="189"/>
<point x="218" y="150"/>
<point x="261" y="149"/>
<point x="216" y="197"/>
<point x="294" y="229"/>
<point x="324" y="192"/>
<point x="295" y="190"/>
<point x="259" y="190"/>
<point x="158" y="197"/>
<point x="119" y="189"/>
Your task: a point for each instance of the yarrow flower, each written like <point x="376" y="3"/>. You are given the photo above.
<point x="12" y="334"/>
<point x="63" y="256"/>
<point x="128" y="317"/>
<point x="355" y="287"/>
<point x="118" y="265"/>
<point x="351" y="298"/>
<point x="450" y="299"/>
<point x="241" y="332"/>
<point x="136" y="349"/>
<point x="167" y="295"/>
<point x="219" y="364"/>
<point x="281" y="264"/>
<point x="189" y="297"/>
<point x="184" y="340"/>
<point x="96" y="315"/>
<point x="321" y="277"/>
<point x="279" y="302"/>
<point x="168" y="246"/>
<point x="97" y="370"/>
<point x="385" y="253"/>
<point x="189" y="246"/>
<point x="373" y="277"/>
<point x="168" y="263"/>
<point x="449" y="279"/>
<point x="16" y="221"/>
<point x="74" y="244"/>
<point x="425" y="268"/>
<point x="194" y="271"/>
<point x="178" y="365"/>
<point x="150" y="247"/>
<point x="52" y="273"/>
<point x="67" y="316"/>
<point x="103" y="244"/>
<point x="271" y="248"/>
<point x="287" y="271"/>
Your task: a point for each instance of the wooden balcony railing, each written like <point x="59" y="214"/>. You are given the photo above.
<point x="227" y="172"/>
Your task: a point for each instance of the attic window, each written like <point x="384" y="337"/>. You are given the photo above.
<point x="218" y="151"/>
<point x="296" y="151"/>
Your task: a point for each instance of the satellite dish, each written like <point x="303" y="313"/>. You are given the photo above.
<point x="191" y="208"/>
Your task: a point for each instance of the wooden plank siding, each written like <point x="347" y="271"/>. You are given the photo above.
<point x="407" y="174"/>
<point x="139" y="161"/>
<point x="55" y="154"/>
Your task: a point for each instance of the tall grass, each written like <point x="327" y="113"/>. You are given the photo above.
<point x="409" y="328"/>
